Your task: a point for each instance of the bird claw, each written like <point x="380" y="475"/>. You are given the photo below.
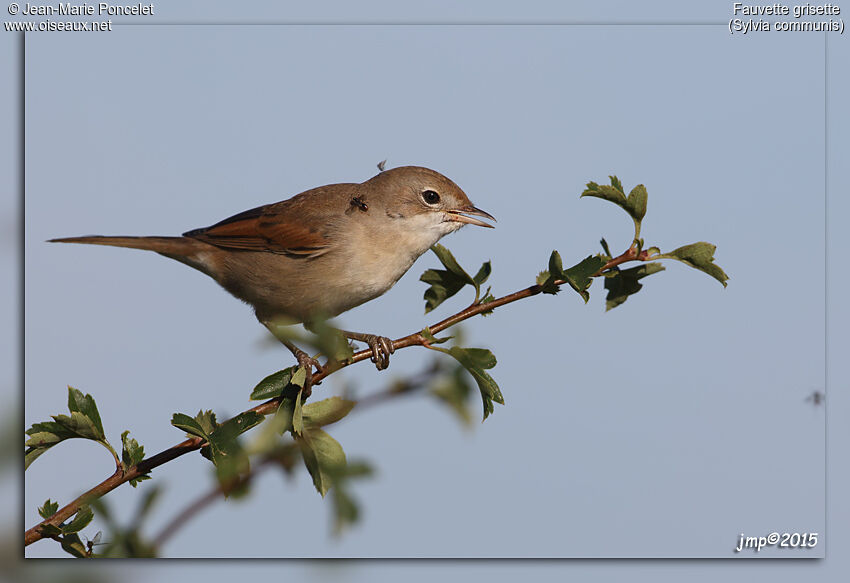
<point x="381" y="347"/>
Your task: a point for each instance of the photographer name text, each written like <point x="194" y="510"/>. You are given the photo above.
<point x="86" y="9"/>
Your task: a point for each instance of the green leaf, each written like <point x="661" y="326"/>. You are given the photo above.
<point x="623" y="283"/>
<point x="206" y="421"/>
<point x="298" y="415"/>
<point x="49" y="530"/>
<point x="443" y="286"/>
<point x="79" y="425"/>
<point x="475" y="361"/>
<point x="613" y="193"/>
<point x="615" y="182"/>
<point x="605" y="248"/>
<point x="47" y="433"/>
<point x="43" y="436"/>
<point x="225" y="450"/>
<point x="546" y="279"/>
<point x="444" y="283"/>
<point x="131" y="454"/>
<point x="83" y="422"/>
<point x="450" y="263"/>
<point x="431" y="339"/>
<point x="488" y="297"/>
<point x="206" y="452"/>
<point x="273" y="385"/>
<point x="85" y="405"/>
<point x="299" y="377"/>
<point x="200" y="426"/>
<point x="31" y="454"/>
<point x="282" y="420"/>
<point x="346" y="509"/>
<point x="634" y="204"/>
<point x="234" y="427"/>
<point x="327" y="411"/>
<point x="637" y="202"/>
<point x="135" y="481"/>
<point x="546" y="282"/>
<point x="556" y="266"/>
<point x="49" y="509"/>
<point x="267" y="439"/>
<point x="454" y="390"/>
<point x="82" y="519"/>
<point x="580" y="275"/>
<point x="699" y="256"/>
<point x="72" y="545"/>
<point x="482" y="275"/>
<point x="354" y="469"/>
<point x="322" y="456"/>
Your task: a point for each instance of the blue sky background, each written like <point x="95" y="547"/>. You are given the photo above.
<point x="664" y="428"/>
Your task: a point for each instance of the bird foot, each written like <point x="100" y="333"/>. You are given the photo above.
<point x="381" y="347"/>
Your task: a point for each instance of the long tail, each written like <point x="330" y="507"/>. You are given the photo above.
<point x="192" y="252"/>
<point x="171" y="246"/>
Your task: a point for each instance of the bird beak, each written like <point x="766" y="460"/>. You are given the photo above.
<point x="459" y="215"/>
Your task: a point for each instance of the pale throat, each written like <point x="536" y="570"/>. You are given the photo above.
<point x="398" y="243"/>
<point x="416" y="234"/>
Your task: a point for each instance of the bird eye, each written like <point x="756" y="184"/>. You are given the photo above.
<point x="430" y="197"/>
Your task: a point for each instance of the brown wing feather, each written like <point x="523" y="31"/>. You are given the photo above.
<point x="293" y="227"/>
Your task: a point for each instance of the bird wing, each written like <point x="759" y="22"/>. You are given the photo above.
<point x="290" y="227"/>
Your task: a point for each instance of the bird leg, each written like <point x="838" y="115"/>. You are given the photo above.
<point x="381" y="347"/>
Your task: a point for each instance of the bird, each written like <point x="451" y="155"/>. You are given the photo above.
<point x="323" y="251"/>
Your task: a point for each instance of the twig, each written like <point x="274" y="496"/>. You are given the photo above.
<point x="416" y="339"/>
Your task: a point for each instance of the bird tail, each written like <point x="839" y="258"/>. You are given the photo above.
<point x="165" y="245"/>
<point x="182" y="249"/>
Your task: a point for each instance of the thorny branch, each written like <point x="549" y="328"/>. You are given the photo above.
<point x="189" y="445"/>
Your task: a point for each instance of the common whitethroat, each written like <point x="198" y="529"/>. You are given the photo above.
<point x="323" y="251"/>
